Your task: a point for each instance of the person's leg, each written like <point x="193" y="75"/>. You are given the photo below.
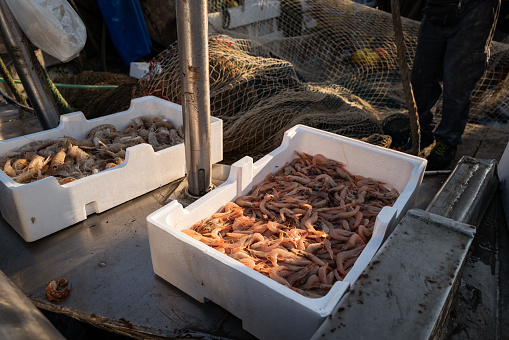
<point x="464" y="64"/>
<point x="426" y="74"/>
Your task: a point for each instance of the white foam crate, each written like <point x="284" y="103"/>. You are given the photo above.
<point x="43" y="207"/>
<point x="268" y="309"/>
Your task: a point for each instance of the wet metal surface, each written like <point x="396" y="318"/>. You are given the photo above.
<point x="465" y="195"/>
<point x="107" y="261"/>
<point x="400" y="295"/>
<point x="475" y="315"/>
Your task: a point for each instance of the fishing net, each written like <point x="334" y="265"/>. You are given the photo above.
<point x="329" y="64"/>
<point x="97" y="102"/>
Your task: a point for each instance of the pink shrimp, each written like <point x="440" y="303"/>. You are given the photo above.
<point x="287" y="257"/>
<point x="320" y="159"/>
<point x="322" y="274"/>
<point x="285" y="211"/>
<point x="364" y="232"/>
<point x="310" y="220"/>
<point x="310" y="256"/>
<point x="267" y="245"/>
<point x="259" y="227"/>
<point x="347" y="214"/>
<point x="248" y="201"/>
<point x="344" y="174"/>
<point x="353" y="241"/>
<point x="215" y="233"/>
<point x="244" y="258"/>
<point x="274" y="275"/>
<point x="328" y="247"/>
<point x="327" y="180"/>
<point x="358" y="220"/>
<point x="275" y="227"/>
<point x="207" y="240"/>
<point x="345" y="255"/>
<point x="313" y="247"/>
<point x="345" y="225"/>
<point x="302" y="273"/>
<point x="262" y="187"/>
<point x="300" y="242"/>
<point x="243" y="223"/>
<point x="312" y="280"/>
<point x="289" y="187"/>
<point x="299" y="179"/>
<point x="340" y="234"/>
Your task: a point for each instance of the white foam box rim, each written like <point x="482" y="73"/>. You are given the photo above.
<point x="38" y="209"/>
<point x="268" y="309"/>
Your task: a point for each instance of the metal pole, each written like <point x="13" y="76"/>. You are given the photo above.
<point x="192" y="30"/>
<point x="28" y="68"/>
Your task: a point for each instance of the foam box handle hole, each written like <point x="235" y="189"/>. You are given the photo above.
<point x="91" y="208"/>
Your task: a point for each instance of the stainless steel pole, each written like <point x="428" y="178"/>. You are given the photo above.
<point x="192" y="31"/>
<point x="29" y="71"/>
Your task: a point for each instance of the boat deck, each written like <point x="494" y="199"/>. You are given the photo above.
<point x="107" y="260"/>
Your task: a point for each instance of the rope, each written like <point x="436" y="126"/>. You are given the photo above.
<point x="14" y="89"/>
<point x="60" y="101"/>
<point x="74" y="86"/>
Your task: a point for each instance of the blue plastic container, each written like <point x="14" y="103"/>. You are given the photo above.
<point x="127" y="28"/>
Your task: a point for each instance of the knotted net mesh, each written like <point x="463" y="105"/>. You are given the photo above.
<point x="329" y="64"/>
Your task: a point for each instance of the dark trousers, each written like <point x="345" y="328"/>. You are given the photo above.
<point x="450" y="60"/>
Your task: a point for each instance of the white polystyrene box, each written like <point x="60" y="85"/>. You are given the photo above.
<point x="268" y="309"/>
<point x="43" y="207"/>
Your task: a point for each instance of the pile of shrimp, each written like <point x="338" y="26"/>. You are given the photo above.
<point x="68" y="159"/>
<point x="303" y="226"/>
